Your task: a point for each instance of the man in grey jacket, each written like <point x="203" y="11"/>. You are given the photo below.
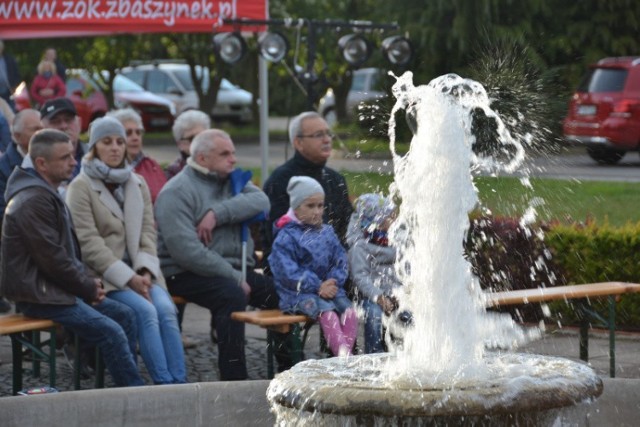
<point x="200" y="245"/>
<point x="41" y="268"/>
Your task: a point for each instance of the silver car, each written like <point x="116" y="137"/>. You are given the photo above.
<point x="366" y="86"/>
<point x="173" y="81"/>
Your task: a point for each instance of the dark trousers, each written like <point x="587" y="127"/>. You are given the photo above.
<point x="222" y="296"/>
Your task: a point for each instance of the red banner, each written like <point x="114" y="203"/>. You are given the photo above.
<point x="57" y="18"/>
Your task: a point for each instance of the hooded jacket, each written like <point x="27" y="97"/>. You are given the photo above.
<point x="304" y="256"/>
<point x="337" y="207"/>
<point x="41" y="261"/>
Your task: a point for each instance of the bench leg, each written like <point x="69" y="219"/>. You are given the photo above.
<point x="297" y="354"/>
<point x="99" y="383"/>
<point x="612" y="336"/>
<point x="37" y="354"/>
<point x="270" y="346"/>
<point x="16" y="350"/>
<point x="52" y="357"/>
<point x="584" y="329"/>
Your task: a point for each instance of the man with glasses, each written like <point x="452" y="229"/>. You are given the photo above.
<point x="185" y="128"/>
<point x="312" y="141"/>
<point x="61" y="114"/>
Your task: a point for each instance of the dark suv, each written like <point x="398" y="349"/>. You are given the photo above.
<point x="604" y="113"/>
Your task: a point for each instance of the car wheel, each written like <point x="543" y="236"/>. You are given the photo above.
<point x="330" y="117"/>
<point x="605" y="156"/>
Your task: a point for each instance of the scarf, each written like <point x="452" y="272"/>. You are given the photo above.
<point x="97" y="169"/>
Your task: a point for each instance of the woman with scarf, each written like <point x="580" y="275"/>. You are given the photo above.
<point x="142" y="164"/>
<point x="113" y="216"/>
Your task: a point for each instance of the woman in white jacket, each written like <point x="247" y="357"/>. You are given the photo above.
<point x="113" y="216"/>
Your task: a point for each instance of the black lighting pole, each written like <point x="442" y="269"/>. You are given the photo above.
<point x="309" y="78"/>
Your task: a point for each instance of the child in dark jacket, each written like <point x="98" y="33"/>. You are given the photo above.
<point x="309" y="266"/>
<point x="372" y="264"/>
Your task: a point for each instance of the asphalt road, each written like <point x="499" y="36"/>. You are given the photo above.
<point x="572" y="164"/>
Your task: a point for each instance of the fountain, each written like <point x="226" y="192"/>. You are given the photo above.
<point x="454" y="365"/>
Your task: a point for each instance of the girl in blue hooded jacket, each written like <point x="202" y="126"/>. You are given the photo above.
<point x="309" y="266"/>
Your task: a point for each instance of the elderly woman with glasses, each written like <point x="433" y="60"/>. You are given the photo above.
<point x="142" y="164"/>
<point x="113" y="216"/>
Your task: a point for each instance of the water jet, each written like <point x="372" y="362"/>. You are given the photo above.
<point x="455" y="365"/>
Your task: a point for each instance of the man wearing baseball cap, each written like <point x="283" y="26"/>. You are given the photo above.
<point x="61" y="114"/>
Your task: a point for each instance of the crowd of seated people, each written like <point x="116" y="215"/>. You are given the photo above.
<point x="134" y="234"/>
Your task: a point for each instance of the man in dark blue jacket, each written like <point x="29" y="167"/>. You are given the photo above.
<point x="9" y="76"/>
<point x="25" y="124"/>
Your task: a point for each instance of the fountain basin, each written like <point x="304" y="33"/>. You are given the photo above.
<point x="518" y="389"/>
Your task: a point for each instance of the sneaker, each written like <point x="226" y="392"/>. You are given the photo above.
<point x="5" y="306"/>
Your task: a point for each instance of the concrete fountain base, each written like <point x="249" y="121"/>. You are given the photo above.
<point x="517" y="390"/>
<point x="240" y="404"/>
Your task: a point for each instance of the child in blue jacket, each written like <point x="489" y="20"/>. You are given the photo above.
<point x="309" y="266"/>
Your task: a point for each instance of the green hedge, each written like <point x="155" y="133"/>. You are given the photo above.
<point x="592" y="253"/>
<point x="505" y="255"/>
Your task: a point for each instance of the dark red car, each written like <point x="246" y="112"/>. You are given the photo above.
<point x="157" y="113"/>
<point x="604" y="113"/>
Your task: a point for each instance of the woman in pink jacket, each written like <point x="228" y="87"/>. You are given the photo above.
<point x="47" y="84"/>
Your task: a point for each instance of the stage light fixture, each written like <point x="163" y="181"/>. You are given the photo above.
<point x="273" y="46"/>
<point x="355" y="49"/>
<point x="397" y="50"/>
<point x="230" y="47"/>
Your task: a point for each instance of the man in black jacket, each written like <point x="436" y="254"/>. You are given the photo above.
<point x="313" y="141"/>
<point x="41" y="268"/>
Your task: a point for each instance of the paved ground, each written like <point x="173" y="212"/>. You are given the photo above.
<point x="202" y="360"/>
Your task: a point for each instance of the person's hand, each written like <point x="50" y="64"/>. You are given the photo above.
<point x="141" y="285"/>
<point x="205" y="227"/>
<point x="245" y="288"/>
<point x="328" y="289"/>
<point x="387" y="304"/>
<point x="46" y="91"/>
<point x="100" y="293"/>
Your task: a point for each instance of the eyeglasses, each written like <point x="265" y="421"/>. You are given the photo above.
<point x="188" y="138"/>
<point x="138" y="132"/>
<point x="319" y="135"/>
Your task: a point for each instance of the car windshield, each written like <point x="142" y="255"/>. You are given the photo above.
<point x="604" y="80"/>
<point x="123" y="84"/>
<point x="184" y="76"/>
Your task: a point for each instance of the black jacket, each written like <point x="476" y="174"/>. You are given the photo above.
<point x="337" y="206"/>
<point x="40" y="255"/>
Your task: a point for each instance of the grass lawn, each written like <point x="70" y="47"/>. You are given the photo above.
<point x="615" y="202"/>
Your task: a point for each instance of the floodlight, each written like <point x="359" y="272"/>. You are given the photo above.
<point x="397" y="50"/>
<point x="355" y="49"/>
<point x="273" y="46"/>
<point x="230" y="47"/>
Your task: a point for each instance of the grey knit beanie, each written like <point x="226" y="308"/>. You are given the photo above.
<point x="105" y="126"/>
<point x="301" y="187"/>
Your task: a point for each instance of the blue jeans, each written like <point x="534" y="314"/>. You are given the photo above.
<point x="373" y="339"/>
<point x="108" y="325"/>
<point x="159" y="334"/>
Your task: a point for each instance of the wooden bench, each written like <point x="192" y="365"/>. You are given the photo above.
<point x="582" y="294"/>
<point x="25" y="341"/>
<point x="16" y="326"/>
<point x="275" y="321"/>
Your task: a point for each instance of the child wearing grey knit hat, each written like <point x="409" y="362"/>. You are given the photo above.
<point x="301" y="187"/>
<point x="309" y="266"/>
<point x="103" y="127"/>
